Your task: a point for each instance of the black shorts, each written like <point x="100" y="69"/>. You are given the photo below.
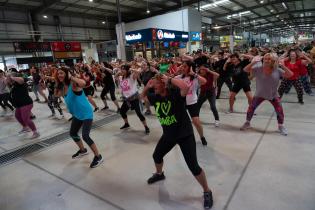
<point x="109" y="89"/>
<point x="193" y="110"/>
<point x="89" y="91"/>
<point x="238" y="86"/>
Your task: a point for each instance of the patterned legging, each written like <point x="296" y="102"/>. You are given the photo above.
<point x="276" y="103"/>
<point x="287" y="84"/>
<point x="306" y="84"/>
<point x="53" y="103"/>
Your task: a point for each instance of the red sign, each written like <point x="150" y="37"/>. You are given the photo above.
<point x="66" y="46"/>
<point x="31" y="46"/>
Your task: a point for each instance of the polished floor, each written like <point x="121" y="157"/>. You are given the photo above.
<point x="254" y="170"/>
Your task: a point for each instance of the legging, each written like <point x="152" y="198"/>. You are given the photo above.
<point x="305" y="80"/>
<point x="187" y="146"/>
<point x="211" y="97"/>
<point x="4" y="101"/>
<point x="134" y="104"/>
<point x="53" y="103"/>
<point x="86" y="125"/>
<point x="23" y="116"/>
<point x="111" y="90"/>
<point x="287" y="84"/>
<point x="221" y="81"/>
<point x="276" y="103"/>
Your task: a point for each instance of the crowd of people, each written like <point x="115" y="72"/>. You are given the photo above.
<point x="176" y="87"/>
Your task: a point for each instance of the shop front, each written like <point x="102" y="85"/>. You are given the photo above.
<point x="67" y="52"/>
<point x="154" y="42"/>
<point x="195" y="41"/>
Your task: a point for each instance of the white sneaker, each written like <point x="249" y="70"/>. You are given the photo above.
<point x="35" y="135"/>
<point x="216" y="123"/>
<point x="283" y="131"/>
<point x="245" y="126"/>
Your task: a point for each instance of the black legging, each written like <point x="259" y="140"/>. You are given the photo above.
<point x="221" y="81"/>
<point x="86" y="125"/>
<point x="53" y="103"/>
<point x="4" y="101"/>
<point x="134" y="104"/>
<point x="210" y="95"/>
<point x="111" y="90"/>
<point x="187" y="146"/>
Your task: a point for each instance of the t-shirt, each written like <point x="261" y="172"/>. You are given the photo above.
<point x="20" y="96"/>
<point x="295" y="68"/>
<point x="191" y="97"/>
<point x="164" y="67"/>
<point x="146" y="76"/>
<point x="218" y="66"/>
<point x="108" y="79"/>
<point x="209" y="84"/>
<point x="267" y="85"/>
<point x="239" y="75"/>
<point x="3" y="86"/>
<point x="36" y="78"/>
<point x="172" y="114"/>
<point x="78" y="105"/>
<point x="128" y="87"/>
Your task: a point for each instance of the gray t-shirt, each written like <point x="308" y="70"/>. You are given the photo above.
<point x="3" y="87"/>
<point x="267" y="85"/>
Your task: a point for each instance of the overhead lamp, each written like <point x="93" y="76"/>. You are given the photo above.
<point x="148" y="11"/>
<point x="261" y="1"/>
<point x="45" y="16"/>
<point x="272" y="10"/>
<point x="282" y="20"/>
<point x="103" y="22"/>
<point x="284" y="6"/>
<point x="90" y="0"/>
<point x="277" y="16"/>
<point x="215" y="4"/>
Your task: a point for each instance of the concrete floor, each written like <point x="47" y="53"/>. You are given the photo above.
<point x="254" y="170"/>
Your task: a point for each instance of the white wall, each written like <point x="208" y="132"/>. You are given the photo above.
<point x="177" y="21"/>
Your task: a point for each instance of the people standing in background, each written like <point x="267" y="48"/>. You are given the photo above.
<point x="225" y="75"/>
<point x="36" y="83"/>
<point x="5" y="99"/>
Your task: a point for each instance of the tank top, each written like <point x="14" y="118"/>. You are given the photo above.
<point x="78" y="105"/>
<point x="128" y="87"/>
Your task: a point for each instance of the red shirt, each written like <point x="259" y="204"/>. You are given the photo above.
<point x="304" y="71"/>
<point x="296" y="68"/>
<point x="209" y="84"/>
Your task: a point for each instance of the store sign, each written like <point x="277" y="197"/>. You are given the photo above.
<point x="66" y="46"/>
<point x="65" y="55"/>
<point x="195" y="36"/>
<point x="168" y="35"/>
<point x="133" y="37"/>
<point x="31" y="47"/>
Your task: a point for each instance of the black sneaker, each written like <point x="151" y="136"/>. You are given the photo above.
<point x="203" y="141"/>
<point x="96" y="161"/>
<point x="70" y="119"/>
<point x="208" y="200"/>
<point x="80" y="154"/>
<point x="33" y="117"/>
<point x="96" y="109"/>
<point x="301" y="102"/>
<point x="148" y="112"/>
<point x="156" y="177"/>
<point x="126" y="125"/>
<point x="147" y="130"/>
<point x="106" y="107"/>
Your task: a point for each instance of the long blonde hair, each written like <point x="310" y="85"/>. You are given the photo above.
<point x="274" y="60"/>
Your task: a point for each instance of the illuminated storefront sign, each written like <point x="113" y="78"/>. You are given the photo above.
<point x="195" y="36"/>
<point x="133" y="37"/>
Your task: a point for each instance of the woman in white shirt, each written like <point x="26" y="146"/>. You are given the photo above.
<point x="193" y="80"/>
<point x="128" y="84"/>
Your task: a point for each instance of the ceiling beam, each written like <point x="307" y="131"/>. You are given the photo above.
<point x="45" y="5"/>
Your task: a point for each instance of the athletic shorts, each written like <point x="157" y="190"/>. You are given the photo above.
<point x="193" y="110"/>
<point x="238" y="86"/>
<point x="89" y="91"/>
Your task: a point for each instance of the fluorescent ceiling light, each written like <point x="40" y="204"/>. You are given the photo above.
<point x="215" y="4"/>
<point x="261" y="1"/>
<point x="239" y="14"/>
<point x="285" y="6"/>
<point x="103" y="22"/>
<point x="272" y="10"/>
<point x="45" y="16"/>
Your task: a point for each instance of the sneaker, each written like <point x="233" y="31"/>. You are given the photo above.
<point x="35" y="135"/>
<point x="33" y="117"/>
<point x="96" y="161"/>
<point x="148" y="112"/>
<point x="52" y="115"/>
<point x="208" y="200"/>
<point x="70" y="119"/>
<point x="80" y="153"/>
<point x="37" y="100"/>
<point x="156" y="177"/>
<point x="203" y="141"/>
<point x="147" y="130"/>
<point x="106" y="107"/>
<point x="118" y="111"/>
<point x="216" y="123"/>
<point x="126" y="125"/>
<point x="24" y="130"/>
<point x="229" y="111"/>
<point x="245" y="126"/>
<point x="62" y="116"/>
<point x="301" y="102"/>
<point x="283" y="131"/>
<point x="96" y="109"/>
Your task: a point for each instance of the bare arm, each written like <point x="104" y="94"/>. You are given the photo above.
<point x="19" y="80"/>
<point x="80" y="82"/>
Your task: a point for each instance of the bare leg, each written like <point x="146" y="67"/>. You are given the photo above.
<point x="80" y="145"/>
<point x="92" y="101"/>
<point x="159" y="168"/>
<point x="201" y="178"/>
<point x="116" y="103"/>
<point x="249" y="97"/>
<point x="232" y="100"/>
<point x="95" y="150"/>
